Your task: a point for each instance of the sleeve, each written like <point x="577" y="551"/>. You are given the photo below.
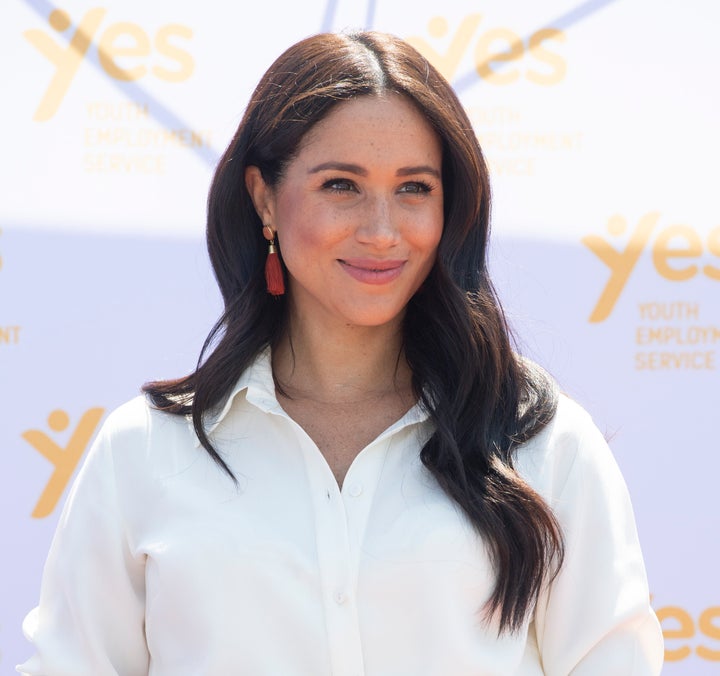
<point x="90" y="619"/>
<point x="596" y="619"/>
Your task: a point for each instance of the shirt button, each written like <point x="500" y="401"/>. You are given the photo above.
<point x="355" y="490"/>
<point x="339" y="598"/>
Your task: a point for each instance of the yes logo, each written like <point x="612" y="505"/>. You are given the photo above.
<point x="682" y="629"/>
<point x="65" y="459"/>
<point x="123" y="39"/>
<point x="493" y="47"/>
<point x="673" y="242"/>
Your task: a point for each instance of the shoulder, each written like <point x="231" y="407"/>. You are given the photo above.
<point x="137" y="419"/>
<point x="569" y="424"/>
<point x="136" y="433"/>
<point x="570" y="444"/>
<point x="132" y="416"/>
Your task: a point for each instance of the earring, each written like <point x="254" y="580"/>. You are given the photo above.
<point x="273" y="268"/>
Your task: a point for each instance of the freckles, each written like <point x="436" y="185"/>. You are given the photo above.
<point x="324" y="230"/>
<point x="308" y="237"/>
<point x="425" y="232"/>
<point x="309" y="240"/>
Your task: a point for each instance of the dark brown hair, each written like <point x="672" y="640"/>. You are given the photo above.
<point x="483" y="399"/>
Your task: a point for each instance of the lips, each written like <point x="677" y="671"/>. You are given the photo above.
<point x="372" y="271"/>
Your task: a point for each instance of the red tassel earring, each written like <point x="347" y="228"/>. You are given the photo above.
<point x="273" y="267"/>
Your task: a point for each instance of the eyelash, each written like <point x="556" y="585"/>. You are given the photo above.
<point x="424" y="188"/>
<point x="331" y="185"/>
<point x="333" y="182"/>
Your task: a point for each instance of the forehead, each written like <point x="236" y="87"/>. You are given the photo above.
<point x="376" y="126"/>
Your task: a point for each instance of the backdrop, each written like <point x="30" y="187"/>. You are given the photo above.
<point x="599" y="120"/>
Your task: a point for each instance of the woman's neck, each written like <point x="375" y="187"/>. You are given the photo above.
<point x="341" y="364"/>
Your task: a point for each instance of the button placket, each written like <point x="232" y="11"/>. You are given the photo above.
<point x="335" y="564"/>
<point x="355" y="490"/>
<point x="340" y="523"/>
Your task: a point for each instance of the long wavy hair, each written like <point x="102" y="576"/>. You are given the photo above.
<point x="483" y="399"/>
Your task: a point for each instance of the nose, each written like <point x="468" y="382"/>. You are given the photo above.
<point x="378" y="224"/>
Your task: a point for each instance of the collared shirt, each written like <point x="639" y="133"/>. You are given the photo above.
<point x="161" y="565"/>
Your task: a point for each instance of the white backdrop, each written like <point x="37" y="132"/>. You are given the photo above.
<point x="599" y="119"/>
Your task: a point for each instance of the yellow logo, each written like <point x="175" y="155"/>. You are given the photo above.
<point x="683" y="628"/>
<point x="676" y="242"/>
<point x="65" y="459"/>
<point x="493" y="49"/>
<point x="9" y="335"/>
<point x="124" y="40"/>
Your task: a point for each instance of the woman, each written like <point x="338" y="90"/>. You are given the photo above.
<point x="385" y="487"/>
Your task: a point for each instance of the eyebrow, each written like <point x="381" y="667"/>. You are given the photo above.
<point x="339" y="166"/>
<point x="421" y="169"/>
<point x="361" y="171"/>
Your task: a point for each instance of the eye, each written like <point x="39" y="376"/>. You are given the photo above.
<point x="339" y="185"/>
<point x="416" y="188"/>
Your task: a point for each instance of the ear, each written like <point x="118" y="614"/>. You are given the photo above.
<point x="261" y="194"/>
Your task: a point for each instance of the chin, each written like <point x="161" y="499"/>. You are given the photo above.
<point x="374" y="318"/>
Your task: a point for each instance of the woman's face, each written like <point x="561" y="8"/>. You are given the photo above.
<point x="358" y="212"/>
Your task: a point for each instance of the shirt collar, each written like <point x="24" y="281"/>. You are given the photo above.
<point x="259" y="387"/>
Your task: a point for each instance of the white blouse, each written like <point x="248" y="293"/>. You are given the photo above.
<point x="161" y="565"/>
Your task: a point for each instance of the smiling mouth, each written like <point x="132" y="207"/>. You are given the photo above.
<point x="372" y="266"/>
<point x="371" y="271"/>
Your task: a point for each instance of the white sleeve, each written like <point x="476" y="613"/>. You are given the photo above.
<point x="596" y="619"/>
<point x="90" y="619"/>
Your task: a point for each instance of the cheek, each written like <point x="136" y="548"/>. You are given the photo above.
<point x="293" y="224"/>
<point x="429" y="234"/>
<point x="303" y="241"/>
<point x="430" y="244"/>
<point x="304" y="228"/>
<point x="437" y="235"/>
